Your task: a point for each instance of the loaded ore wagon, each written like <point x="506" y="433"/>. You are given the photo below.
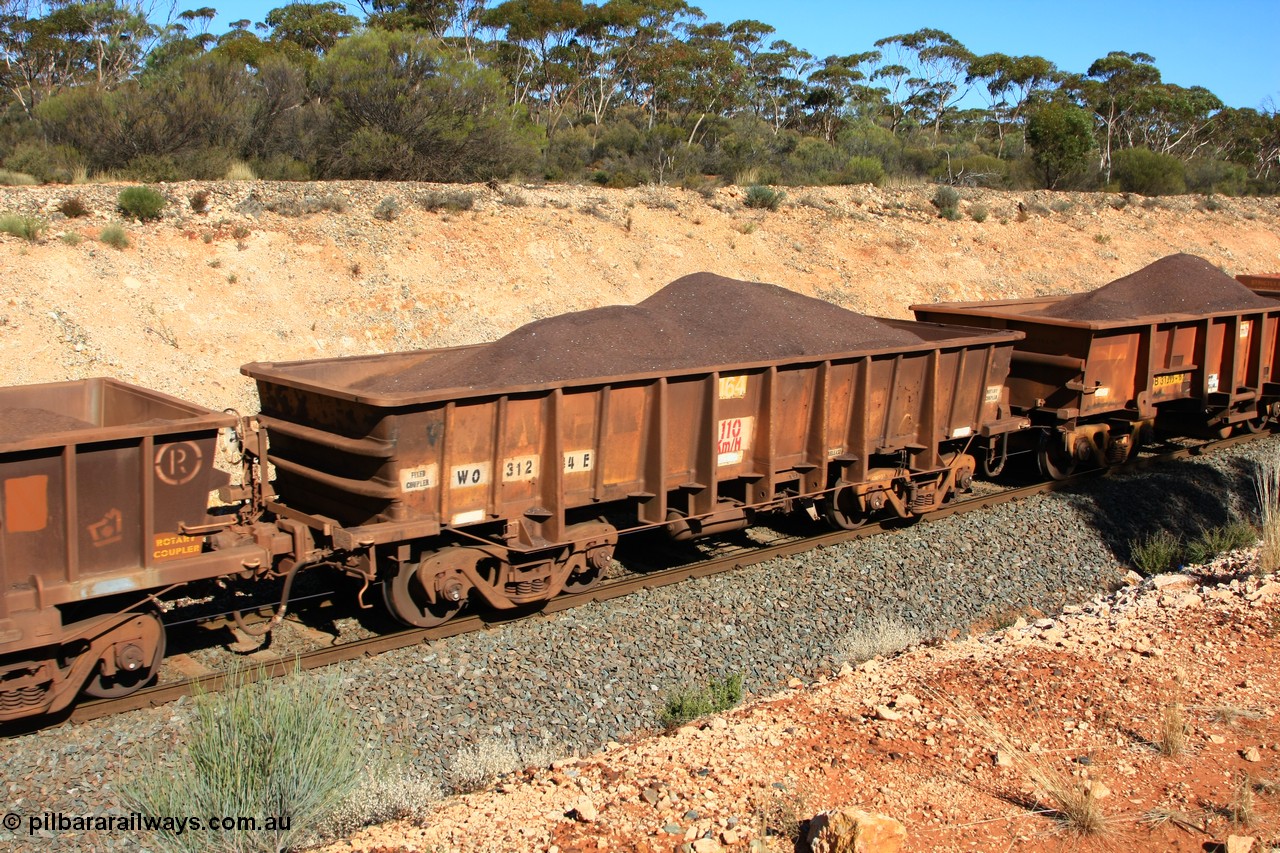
<point x="1177" y="345"/>
<point x="104" y="489"/>
<point x="505" y="471"/>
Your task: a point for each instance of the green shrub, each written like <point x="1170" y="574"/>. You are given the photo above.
<point x="73" y="208"/>
<point x="43" y="163"/>
<point x="763" y="198"/>
<point x="26" y="227"/>
<point x="282" y="168"/>
<point x="1143" y="171"/>
<point x="947" y="201"/>
<point x="115" y="236"/>
<point x="72" y="238"/>
<point x="154" y="167"/>
<point x="979" y="212"/>
<point x="142" y="203"/>
<point x="1155" y="553"/>
<point x="862" y="170"/>
<point x="277" y="748"/>
<point x="1215" y="176"/>
<point x="687" y="703"/>
<point x="1219" y="540"/>
<point x="454" y="201"/>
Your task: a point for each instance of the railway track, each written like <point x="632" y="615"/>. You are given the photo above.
<point x="728" y="558"/>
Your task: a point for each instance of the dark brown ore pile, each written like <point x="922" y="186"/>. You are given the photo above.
<point x="19" y="424"/>
<point x="1176" y="284"/>
<point x="698" y="321"/>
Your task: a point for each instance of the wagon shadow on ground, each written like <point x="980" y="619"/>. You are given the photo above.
<point x="1183" y="497"/>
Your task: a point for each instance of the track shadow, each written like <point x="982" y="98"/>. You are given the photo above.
<point x="1182" y="497"/>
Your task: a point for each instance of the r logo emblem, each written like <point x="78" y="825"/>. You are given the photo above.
<point x="178" y="463"/>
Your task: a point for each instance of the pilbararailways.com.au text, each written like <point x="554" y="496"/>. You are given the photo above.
<point x="136" y="822"/>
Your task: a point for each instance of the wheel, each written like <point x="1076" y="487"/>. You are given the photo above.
<point x="841" y="510"/>
<point x="582" y="581"/>
<point x="407" y="600"/>
<point x="1256" y="425"/>
<point x="1055" y="461"/>
<point x="126" y="681"/>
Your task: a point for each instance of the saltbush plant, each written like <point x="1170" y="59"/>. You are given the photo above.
<point x="687" y="703"/>
<point x="115" y="236"/>
<point x="947" y="201"/>
<point x="763" y="198"/>
<point x="453" y="201"/>
<point x="277" y="749"/>
<point x="142" y="203"/>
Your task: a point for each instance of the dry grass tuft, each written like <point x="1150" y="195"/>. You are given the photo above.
<point x="1071" y="801"/>
<point x="1242" y="809"/>
<point x="1266" y="484"/>
<point x="885" y="636"/>
<point x="475" y="768"/>
<point x="1172" y="738"/>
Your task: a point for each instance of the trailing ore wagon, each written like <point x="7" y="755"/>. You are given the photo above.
<point x="1264" y="284"/>
<point x="104" y="489"/>
<point x="1178" y="345"/>
<point x="506" y="471"/>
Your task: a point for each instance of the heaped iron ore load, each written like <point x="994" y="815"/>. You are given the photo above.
<point x="486" y="469"/>
<point x="104" y="492"/>
<point x="1177" y="345"/>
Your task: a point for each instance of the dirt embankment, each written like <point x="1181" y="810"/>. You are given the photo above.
<point x="274" y="272"/>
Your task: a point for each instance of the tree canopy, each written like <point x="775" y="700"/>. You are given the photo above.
<point x="619" y="91"/>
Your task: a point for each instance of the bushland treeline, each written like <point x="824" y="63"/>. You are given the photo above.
<point x="621" y="93"/>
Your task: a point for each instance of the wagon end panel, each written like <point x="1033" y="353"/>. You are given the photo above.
<point x="345" y="461"/>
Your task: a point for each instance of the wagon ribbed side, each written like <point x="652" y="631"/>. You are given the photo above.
<point x="1100" y="383"/>
<point x="520" y="470"/>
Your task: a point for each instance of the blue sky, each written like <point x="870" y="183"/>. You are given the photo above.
<point x="1229" y="47"/>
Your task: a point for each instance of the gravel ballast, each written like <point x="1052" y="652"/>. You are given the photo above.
<point x="576" y="681"/>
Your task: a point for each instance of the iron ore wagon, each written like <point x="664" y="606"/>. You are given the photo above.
<point x="104" y="489"/>
<point x="1178" y="346"/>
<point x="503" y="471"/>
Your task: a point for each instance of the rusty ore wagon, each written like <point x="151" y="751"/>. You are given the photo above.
<point x="104" y="489"/>
<point x="506" y="471"/>
<point x="1177" y="346"/>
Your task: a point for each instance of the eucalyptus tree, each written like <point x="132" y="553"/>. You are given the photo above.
<point x="1112" y="89"/>
<point x="925" y="71"/>
<point x="1011" y="83"/>
<point x="47" y="47"/>
<point x="836" y="88"/>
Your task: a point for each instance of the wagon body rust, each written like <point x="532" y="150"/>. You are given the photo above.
<point x="104" y="490"/>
